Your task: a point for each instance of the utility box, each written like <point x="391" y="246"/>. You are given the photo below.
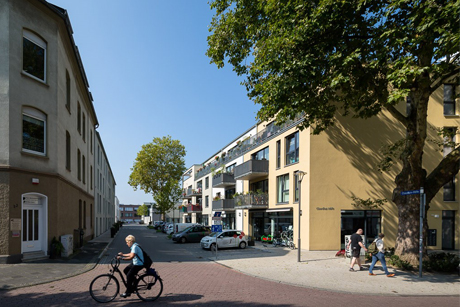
<point x="67" y="242"/>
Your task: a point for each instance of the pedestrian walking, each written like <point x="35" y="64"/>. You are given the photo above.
<point x="380" y="255"/>
<point x="356" y="242"/>
<point x="133" y="268"/>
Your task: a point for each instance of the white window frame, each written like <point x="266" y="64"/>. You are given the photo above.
<point x="38" y="115"/>
<point x="35" y="39"/>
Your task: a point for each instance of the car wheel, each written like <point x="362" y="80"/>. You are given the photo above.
<point x="243" y="245"/>
<point x="213" y="247"/>
<point x="183" y="240"/>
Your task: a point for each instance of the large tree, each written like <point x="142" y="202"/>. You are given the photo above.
<point x="357" y="57"/>
<point x="158" y="169"/>
<point x="168" y="197"/>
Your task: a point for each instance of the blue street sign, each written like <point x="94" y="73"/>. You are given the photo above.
<point x="217" y="214"/>
<point x="216" y="228"/>
<point x="410" y="192"/>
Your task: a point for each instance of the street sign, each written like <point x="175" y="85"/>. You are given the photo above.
<point x="216" y="228"/>
<point x="410" y="192"/>
<point x="216" y="218"/>
<point x="217" y="214"/>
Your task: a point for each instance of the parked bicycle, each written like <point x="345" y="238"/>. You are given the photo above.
<point x="104" y="288"/>
<point x="285" y="239"/>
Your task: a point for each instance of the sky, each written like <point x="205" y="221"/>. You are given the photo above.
<point x="150" y="77"/>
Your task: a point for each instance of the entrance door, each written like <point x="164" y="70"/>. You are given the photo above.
<point x="32" y="217"/>
<point x="448" y="236"/>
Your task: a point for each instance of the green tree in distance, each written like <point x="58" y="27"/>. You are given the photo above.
<point x="143" y="210"/>
<point x="158" y="169"/>
<point x="168" y="197"/>
<point x="358" y="57"/>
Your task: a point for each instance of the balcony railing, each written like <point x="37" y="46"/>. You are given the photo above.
<point x="251" y="169"/>
<point x="248" y="144"/>
<point x="223" y="204"/>
<point x="189" y="193"/>
<point x="223" y="180"/>
<point x="251" y="201"/>
<point x="194" y="208"/>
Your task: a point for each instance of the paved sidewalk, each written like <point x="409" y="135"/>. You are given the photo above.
<point x="317" y="270"/>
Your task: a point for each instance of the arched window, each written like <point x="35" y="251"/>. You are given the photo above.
<point x="34" y="55"/>
<point x="33" y="131"/>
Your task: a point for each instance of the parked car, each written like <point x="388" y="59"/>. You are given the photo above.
<point x="165" y="226"/>
<point x="192" y="234"/>
<point x="169" y="229"/>
<point x="225" y="239"/>
<point x="158" y="224"/>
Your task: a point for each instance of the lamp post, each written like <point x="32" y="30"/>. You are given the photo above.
<point x="300" y="175"/>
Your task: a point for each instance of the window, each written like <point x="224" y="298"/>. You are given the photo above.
<point x="91" y="177"/>
<point x="206" y="183"/>
<point x="34" y="55"/>
<point x="283" y="188"/>
<point x="449" y="99"/>
<point x="292" y="148"/>
<point x="78" y="164"/>
<point x="83" y="163"/>
<point x="261" y="186"/>
<point x="229" y="169"/>
<point x="84" y="127"/>
<point x="84" y="214"/>
<point x="206" y="201"/>
<point x="449" y="190"/>
<point x="80" y="214"/>
<point x="91" y="140"/>
<point x="67" y="150"/>
<point x="261" y="154"/>
<point x="199" y="184"/>
<point x="67" y="90"/>
<point x="449" y="145"/>
<point x="79" y="118"/>
<point x="33" y="131"/>
<point x="278" y="154"/>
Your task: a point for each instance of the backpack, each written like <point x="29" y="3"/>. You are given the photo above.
<point x="147" y="260"/>
<point x="372" y="249"/>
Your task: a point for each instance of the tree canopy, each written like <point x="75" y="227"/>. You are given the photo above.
<point x="158" y="169"/>
<point x="358" y="58"/>
<point x="143" y="210"/>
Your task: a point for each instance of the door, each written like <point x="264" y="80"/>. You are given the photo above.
<point x="448" y="235"/>
<point x="32" y="217"/>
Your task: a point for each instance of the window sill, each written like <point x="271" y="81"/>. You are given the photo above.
<point x="293" y="163"/>
<point x="280" y="204"/>
<point x="32" y="154"/>
<point x="34" y="78"/>
<point x="451" y="116"/>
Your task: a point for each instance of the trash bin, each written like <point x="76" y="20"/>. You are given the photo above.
<point x="251" y="241"/>
<point x="113" y="231"/>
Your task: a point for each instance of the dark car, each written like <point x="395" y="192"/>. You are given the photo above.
<point x="192" y="234"/>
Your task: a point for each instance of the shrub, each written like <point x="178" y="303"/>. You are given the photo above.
<point x="395" y="261"/>
<point x="441" y="262"/>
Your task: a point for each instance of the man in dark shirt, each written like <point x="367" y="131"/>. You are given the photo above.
<point x="356" y="242"/>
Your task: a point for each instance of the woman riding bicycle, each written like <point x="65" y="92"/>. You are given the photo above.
<point x="133" y="268"/>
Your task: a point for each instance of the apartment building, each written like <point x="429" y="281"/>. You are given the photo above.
<point x="276" y="177"/>
<point x="128" y="213"/>
<point x="47" y="124"/>
<point x="104" y="184"/>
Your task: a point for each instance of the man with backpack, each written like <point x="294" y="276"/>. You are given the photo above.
<point x="380" y="255"/>
<point x="133" y="268"/>
<point x="356" y="243"/>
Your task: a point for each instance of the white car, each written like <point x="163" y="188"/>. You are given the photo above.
<point x="225" y="239"/>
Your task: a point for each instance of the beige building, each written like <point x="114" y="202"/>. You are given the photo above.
<point x="257" y="188"/>
<point x="47" y="123"/>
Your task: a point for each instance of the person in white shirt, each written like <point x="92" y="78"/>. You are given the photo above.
<point x="379" y="256"/>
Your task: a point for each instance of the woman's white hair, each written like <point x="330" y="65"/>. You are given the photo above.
<point x="130" y="238"/>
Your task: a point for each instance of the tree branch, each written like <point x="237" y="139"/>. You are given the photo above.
<point x="396" y="114"/>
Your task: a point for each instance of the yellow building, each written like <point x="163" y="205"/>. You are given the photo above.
<point x="260" y="170"/>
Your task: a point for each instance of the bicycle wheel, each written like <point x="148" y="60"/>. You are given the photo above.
<point x="149" y="287"/>
<point x="104" y="288"/>
<point x="291" y="245"/>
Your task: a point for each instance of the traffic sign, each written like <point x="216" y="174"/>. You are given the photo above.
<point x="216" y="218"/>
<point x="217" y="214"/>
<point x="410" y="192"/>
<point x="216" y="228"/>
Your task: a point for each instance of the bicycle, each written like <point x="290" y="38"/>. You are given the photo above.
<point x="104" y="288"/>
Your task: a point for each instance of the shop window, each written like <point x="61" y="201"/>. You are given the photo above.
<point x="34" y="55"/>
<point x="368" y="220"/>
<point x="33" y="131"/>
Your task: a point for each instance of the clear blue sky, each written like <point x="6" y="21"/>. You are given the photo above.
<point x="149" y="75"/>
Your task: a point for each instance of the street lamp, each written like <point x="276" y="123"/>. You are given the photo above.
<point x="300" y="175"/>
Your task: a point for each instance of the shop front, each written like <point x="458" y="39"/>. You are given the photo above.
<point x="369" y="221"/>
<point x="268" y="224"/>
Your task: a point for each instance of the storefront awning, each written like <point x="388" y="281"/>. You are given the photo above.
<point x="278" y="210"/>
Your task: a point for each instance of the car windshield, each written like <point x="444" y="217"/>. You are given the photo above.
<point x="213" y="234"/>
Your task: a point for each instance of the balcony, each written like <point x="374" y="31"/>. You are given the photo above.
<point x="223" y="204"/>
<point x="223" y="180"/>
<point x="189" y="193"/>
<point x="251" y="201"/>
<point x="251" y="169"/>
<point x="194" y="208"/>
